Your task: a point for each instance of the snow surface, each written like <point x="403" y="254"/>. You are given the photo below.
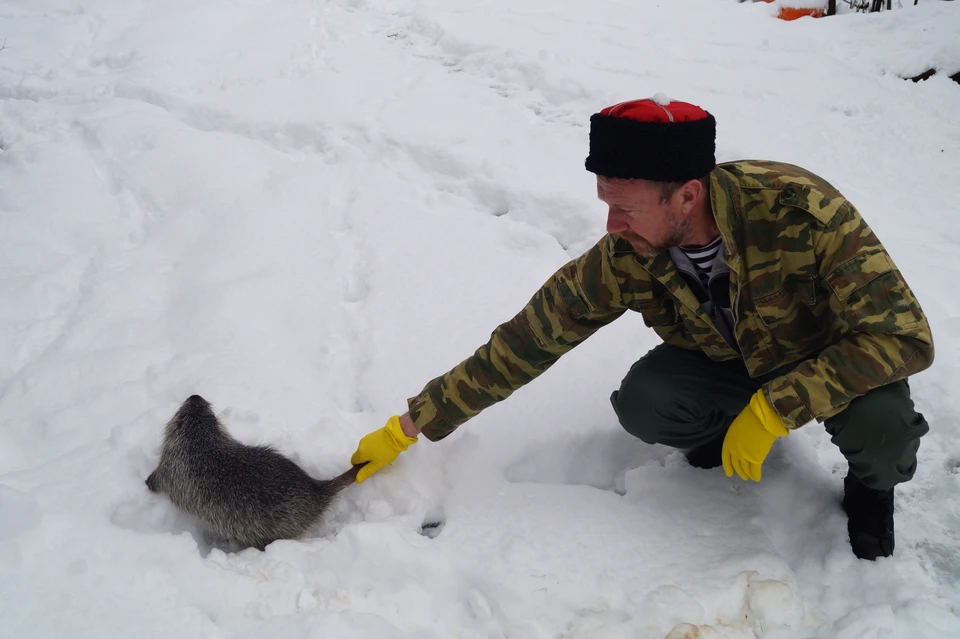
<point x="305" y="210"/>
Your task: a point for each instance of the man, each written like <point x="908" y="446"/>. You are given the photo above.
<point x="776" y="303"/>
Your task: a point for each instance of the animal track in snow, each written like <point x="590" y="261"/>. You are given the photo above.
<point x="431" y="528"/>
<point x="289" y="138"/>
<point x="509" y="73"/>
<point x="351" y="354"/>
<point x="565" y="220"/>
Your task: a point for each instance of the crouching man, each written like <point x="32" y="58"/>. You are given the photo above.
<point x="776" y="303"/>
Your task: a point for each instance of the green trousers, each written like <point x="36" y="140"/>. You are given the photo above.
<point x="683" y="399"/>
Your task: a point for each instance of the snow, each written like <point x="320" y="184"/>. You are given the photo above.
<point x="806" y="4"/>
<point x="305" y="210"/>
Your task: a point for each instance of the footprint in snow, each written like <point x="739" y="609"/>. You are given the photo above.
<point x="594" y="459"/>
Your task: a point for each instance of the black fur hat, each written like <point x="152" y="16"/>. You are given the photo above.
<point x="652" y="139"/>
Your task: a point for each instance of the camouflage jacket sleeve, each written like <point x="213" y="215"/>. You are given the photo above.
<point x="886" y="336"/>
<point x="578" y="299"/>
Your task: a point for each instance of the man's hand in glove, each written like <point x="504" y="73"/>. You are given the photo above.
<point x="750" y="438"/>
<point x="382" y="446"/>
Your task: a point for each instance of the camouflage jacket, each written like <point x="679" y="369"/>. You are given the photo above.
<point x="810" y="283"/>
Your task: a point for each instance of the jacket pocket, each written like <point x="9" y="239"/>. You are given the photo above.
<point x="658" y="313"/>
<point x="874" y="294"/>
<point x="794" y="314"/>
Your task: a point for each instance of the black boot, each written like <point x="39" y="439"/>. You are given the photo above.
<point x="707" y="455"/>
<point x="870" y="518"/>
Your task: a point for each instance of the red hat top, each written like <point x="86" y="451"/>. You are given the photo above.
<point x="656" y="109"/>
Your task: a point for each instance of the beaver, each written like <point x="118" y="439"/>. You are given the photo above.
<point x="249" y="494"/>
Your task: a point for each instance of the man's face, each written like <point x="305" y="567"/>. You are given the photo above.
<point x="638" y="214"/>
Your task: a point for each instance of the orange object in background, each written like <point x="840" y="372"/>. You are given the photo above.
<point x="787" y="13"/>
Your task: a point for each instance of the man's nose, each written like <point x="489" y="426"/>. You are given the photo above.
<point x="616" y="221"/>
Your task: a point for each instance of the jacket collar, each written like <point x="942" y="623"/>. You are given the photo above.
<point x="727" y="206"/>
<point x="726" y="201"/>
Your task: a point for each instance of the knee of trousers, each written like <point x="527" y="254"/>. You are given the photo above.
<point x="879" y="434"/>
<point x="645" y="405"/>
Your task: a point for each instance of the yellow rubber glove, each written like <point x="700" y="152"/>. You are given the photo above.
<point x="750" y="438"/>
<point x="380" y="448"/>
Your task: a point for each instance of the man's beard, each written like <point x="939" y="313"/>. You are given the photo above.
<point x="678" y="231"/>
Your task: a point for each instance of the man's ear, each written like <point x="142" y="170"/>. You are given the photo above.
<point x="690" y="194"/>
